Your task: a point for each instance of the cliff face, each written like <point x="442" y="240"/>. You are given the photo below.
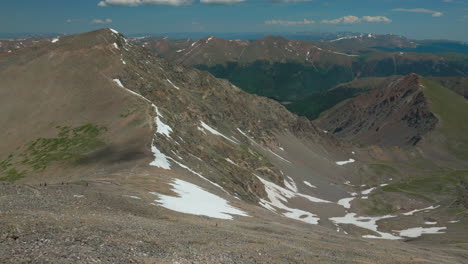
<point x="395" y="114"/>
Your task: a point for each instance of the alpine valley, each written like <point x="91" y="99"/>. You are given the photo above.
<point x="275" y="150"/>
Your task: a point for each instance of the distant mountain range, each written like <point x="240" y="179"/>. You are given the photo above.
<point x="291" y="70"/>
<point x="117" y="155"/>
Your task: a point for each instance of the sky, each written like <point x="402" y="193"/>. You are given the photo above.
<point x="417" y="19"/>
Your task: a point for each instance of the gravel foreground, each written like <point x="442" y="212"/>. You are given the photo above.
<point x="90" y="223"/>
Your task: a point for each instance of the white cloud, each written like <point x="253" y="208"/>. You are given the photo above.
<point x="292" y="1"/>
<point x="420" y="10"/>
<point x="289" y="22"/>
<point x="221" y="2"/>
<point x="355" y="20"/>
<point x="376" y="19"/>
<point x="101" y="21"/>
<point x="143" y="2"/>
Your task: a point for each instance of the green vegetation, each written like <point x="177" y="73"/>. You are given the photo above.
<point x="312" y="106"/>
<point x="428" y="186"/>
<point x="379" y="207"/>
<point x="287" y="81"/>
<point x="452" y="111"/>
<point x="71" y="144"/>
<point x="12" y="175"/>
<point x="383" y="170"/>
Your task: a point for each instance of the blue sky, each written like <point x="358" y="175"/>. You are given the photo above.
<point x="420" y="19"/>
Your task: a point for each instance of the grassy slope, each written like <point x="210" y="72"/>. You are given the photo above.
<point x="452" y="111"/>
<point x="434" y="183"/>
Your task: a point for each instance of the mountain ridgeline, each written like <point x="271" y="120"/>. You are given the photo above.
<point x="125" y="156"/>
<point x="290" y="71"/>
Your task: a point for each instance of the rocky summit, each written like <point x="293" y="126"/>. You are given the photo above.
<point x="111" y="154"/>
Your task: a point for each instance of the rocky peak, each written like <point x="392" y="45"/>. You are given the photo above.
<point x="395" y="114"/>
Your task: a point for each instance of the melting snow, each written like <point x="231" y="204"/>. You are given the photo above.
<point x="454" y="221"/>
<point x="278" y="156"/>
<point x="180" y="50"/>
<point x="418" y="231"/>
<point x="365" y="222"/>
<point x="133" y="197"/>
<point x="368" y="191"/>
<point x="162" y="128"/>
<point x="114" y="31"/>
<point x="173" y="85"/>
<point x="194" y="200"/>
<point x="55" y="40"/>
<point x="419" y="210"/>
<point x="119" y="83"/>
<point x="290" y="184"/>
<point x="341" y="163"/>
<point x="78" y="196"/>
<point x="160" y="160"/>
<point x="279" y="195"/>
<point x="198" y="174"/>
<point x="309" y="184"/>
<point x="346" y="202"/>
<point x="115" y="45"/>
<point x="215" y="132"/>
<point x="230" y="161"/>
<point x="430" y="223"/>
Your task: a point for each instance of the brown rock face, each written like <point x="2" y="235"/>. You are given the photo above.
<point x="395" y="114"/>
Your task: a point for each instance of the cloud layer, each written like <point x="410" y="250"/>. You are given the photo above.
<point x="355" y="20"/>
<point x="221" y="2"/>
<point x="130" y="3"/>
<point x="101" y="21"/>
<point x="420" y="10"/>
<point x="289" y="22"/>
<point x="143" y="2"/>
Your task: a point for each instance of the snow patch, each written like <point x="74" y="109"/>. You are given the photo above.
<point x="309" y="184"/>
<point x="115" y="45"/>
<point x="133" y="197"/>
<point x="173" y="85"/>
<point x="346" y="202"/>
<point x="368" y="191"/>
<point x="119" y="83"/>
<point x="194" y="200"/>
<point x="55" y="40"/>
<point x="341" y="163"/>
<point x="419" y="231"/>
<point x="365" y="222"/>
<point x="114" y="31"/>
<point x="198" y="174"/>
<point x="278" y="195"/>
<point x="161" y="127"/>
<point x="419" y="210"/>
<point x="230" y="161"/>
<point x="160" y="160"/>
<point x="290" y="184"/>
<point x="278" y="156"/>
<point x="214" y="131"/>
